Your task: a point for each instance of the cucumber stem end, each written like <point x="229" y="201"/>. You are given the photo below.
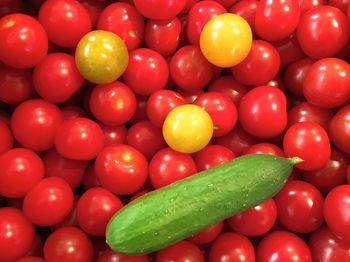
<point x="295" y="160"/>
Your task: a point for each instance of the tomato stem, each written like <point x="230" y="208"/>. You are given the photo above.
<point x="295" y="160"/>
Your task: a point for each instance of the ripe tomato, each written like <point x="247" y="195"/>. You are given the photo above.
<point x="6" y="141"/>
<point x="31" y="259"/>
<point x="247" y="10"/>
<point x="109" y="255"/>
<point x="187" y="128"/>
<point x="264" y="148"/>
<point x="159" y="9"/>
<point x="223" y="46"/>
<point x="114" y="134"/>
<point x="213" y="155"/>
<point x="181" y="251"/>
<point x="339" y="129"/>
<point x="207" y="235"/>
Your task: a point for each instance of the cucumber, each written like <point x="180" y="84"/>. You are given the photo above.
<point x="177" y="211"/>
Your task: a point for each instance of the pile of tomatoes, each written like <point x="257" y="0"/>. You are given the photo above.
<point x="103" y="101"/>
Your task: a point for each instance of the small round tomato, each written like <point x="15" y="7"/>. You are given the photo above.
<point x="282" y="246"/>
<point x="95" y="208"/>
<point x="159" y="9"/>
<point x="289" y="50"/>
<point x="337" y="212"/>
<point x="31" y="259"/>
<point x="232" y="247"/>
<point x="109" y="255"/>
<point x="188" y="128"/>
<point x="213" y="155"/>
<point x="207" y="235"/>
<point x="68" y="244"/>
<point x="94" y="8"/>
<point x="310" y="142"/>
<point x="6" y="141"/>
<point x="114" y="134"/>
<point x="79" y="139"/>
<point x="181" y="251"/>
<point x="264" y="148"/>
<point x="122" y="169"/>
<point x="339" y="129"/>
<point x="247" y="10"/>
<point x="306" y="5"/>
<point x="70" y="112"/>
<point x="263" y="111"/>
<point x="90" y="180"/>
<point x="223" y="46"/>
<point x="168" y="166"/>
<point x="23" y="42"/>
<point x="101" y="56"/>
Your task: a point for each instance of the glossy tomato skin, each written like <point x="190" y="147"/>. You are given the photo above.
<point x="159" y="9"/>
<point x="59" y="246"/>
<point x="339" y="130"/>
<point x="24" y="41"/>
<point x="79" y="139"/>
<point x="263" y="112"/>
<point x="277" y="19"/>
<point x="213" y="155"/>
<point x="109" y="255"/>
<point x="168" y="166"/>
<point x="327" y="83"/>
<point x="34" y="124"/>
<point x="282" y="246"/>
<point x="16" y="234"/>
<point x="95" y="208"/>
<point x="337" y="212"/>
<point x="65" y="21"/>
<point x="247" y="10"/>
<point x="300" y="207"/>
<point x="306" y="5"/>
<point x="125" y="21"/>
<point x="6" y="141"/>
<point x="113" y="104"/>
<point x="289" y="50"/>
<point x="310" y="142"/>
<point x="255" y="221"/>
<point x="114" y="134"/>
<point x="181" y="251"/>
<point x="232" y="247"/>
<point x="20" y="169"/>
<point x="31" y="259"/>
<point x="147" y="71"/>
<point x="48" y="202"/>
<point x="94" y="8"/>
<point x="317" y="26"/>
<point x="207" y="235"/>
<point x="121" y="168"/>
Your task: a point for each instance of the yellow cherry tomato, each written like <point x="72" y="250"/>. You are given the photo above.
<point x="226" y="40"/>
<point x="187" y="128"/>
<point x="101" y="57"/>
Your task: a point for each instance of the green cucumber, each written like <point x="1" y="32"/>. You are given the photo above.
<point x="175" y="212"/>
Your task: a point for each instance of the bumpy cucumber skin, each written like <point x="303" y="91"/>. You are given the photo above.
<point x="175" y="212"/>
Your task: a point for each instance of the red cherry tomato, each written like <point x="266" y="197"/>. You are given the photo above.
<point x="318" y="26"/>
<point x="139" y="194"/>
<point x="340" y="4"/>
<point x="109" y="255"/>
<point x="125" y="21"/>
<point x="20" y="170"/>
<point x="94" y="9"/>
<point x="95" y="208"/>
<point x="90" y="180"/>
<point x="264" y="148"/>
<point x="337" y="212"/>
<point x="48" y="202"/>
<point x="181" y="251"/>
<point x="255" y="221"/>
<point x="16" y="234"/>
<point x="306" y="5"/>
<point x="122" y="169"/>
<point x="310" y="142"/>
<point x="24" y="41"/>
<point x="68" y="244"/>
<point x="207" y="235"/>
<point x="34" y="124"/>
<point x="247" y="10"/>
<point x="263" y="112"/>
<point x="114" y="134"/>
<point x="232" y="247"/>
<point x="79" y="139"/>
<point x="260" y="66"/>
<point x="31" y="259"/>
<point x="112" y="104"/>
<point x="56" y="78"/>
<point x="327" y="83"/>
<point x="213" y="155"/>
<point x="168" y="166"/>
<point x="65" y="21"/>
<point x="159" y="9"/>
<point x="6" y="139"/>
<point x="339" y="129"/>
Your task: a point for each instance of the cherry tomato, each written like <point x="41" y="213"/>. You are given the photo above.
<point x="114" y="134"/>
<point x="339" y="129"/>
<point x="16" y="234"/>
<point x="31" y="259"/>
<point x="6" y="139"/>
<point x="34" y="124"/>
<point x="327" y="83"/>
<point x="263" y="112"/>
<point x="207" y="235"/>
<point x="247" y="10"/>
<point x="94" y="9"/>
<point x="283" y="246"/>
<point x="337" y="212"/>
<point x="181" y="251"/>
<point x="159" y="9"/>
<point x="223" y="46"/>
<point x="306" y="5"/>
<point x="260" y="66"/>
<point x="139" y="194"/>
<point x="79" y="139"/>
<point x="232" y="247"/>
<point x="147" y="71"/>
<point x="310" y="142"/>
<point x="276" y="19"/>
<point x="264" y="148"/>
<point x="24" y="41"/>
<point x="168" y="166"/>
<point x="187" y="128"/>
<point x="122" y="169"/>
<point x="125" y="21"/>
<point x="318" y="26"/>
<point x="90" y="180"/>
<point x="289" y="50"/>
<point x="70" y="112"/>
<point x="213" y="155"/>
<point x="20" y="170"/>
<point x="101" y="57"/>
<point x="95" y="208"/>
<point x="68" y="244"/>
<point x="109" y="255"/>
<point x="113" y="104"/>
<point x="65" y="21"/>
